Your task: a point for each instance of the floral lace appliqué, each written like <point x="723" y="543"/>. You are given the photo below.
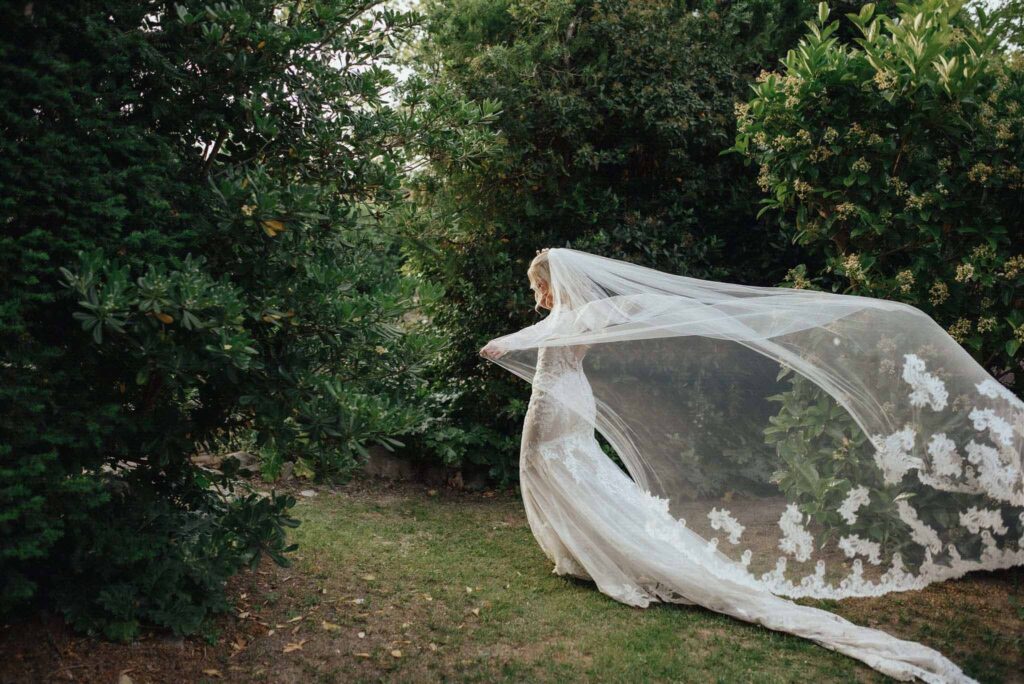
<point x="974" y="520"/>
<point x="994" y="390"/>
<point x="928" y="390"/>
<point x="852" y="545"/>
<point x="723" y="520"/>
<point x="986" y="419"/>
<point x="919" y="532"/>
<point x="946" y="461"/>
<point x="893" y="454"/>
<point x="855" y="498"/>
<point x="795" y="541"/>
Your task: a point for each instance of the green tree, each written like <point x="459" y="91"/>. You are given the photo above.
<point x="192" y="200"/>
<point x="613" y="118"/>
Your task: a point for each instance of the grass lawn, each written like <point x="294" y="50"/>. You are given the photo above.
<point x="401" y="583"/>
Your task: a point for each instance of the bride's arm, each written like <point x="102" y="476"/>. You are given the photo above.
<point x="526" y="338"/>
<point x="493" y="350"/>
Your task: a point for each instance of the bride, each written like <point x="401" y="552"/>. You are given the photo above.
<point x="777" y="444"/>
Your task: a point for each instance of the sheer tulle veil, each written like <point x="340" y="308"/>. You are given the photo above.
<point x="829" y="445"/>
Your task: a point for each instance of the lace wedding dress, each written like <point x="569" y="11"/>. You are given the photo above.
<point x="652" y="533"/>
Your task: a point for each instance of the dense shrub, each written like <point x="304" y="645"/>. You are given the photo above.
<point x="613" y="117"/>
<point x="895" y="160"/>
<point x="897" y="163"/>
<point x="191" y="197"/>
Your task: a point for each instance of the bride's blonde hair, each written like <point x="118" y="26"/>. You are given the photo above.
<point x="540" y="269"/>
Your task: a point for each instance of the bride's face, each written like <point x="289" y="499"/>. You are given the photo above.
<point x="541" y="293"/>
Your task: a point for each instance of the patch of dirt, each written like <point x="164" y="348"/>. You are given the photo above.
<point x="286" y="626"/>
<point x="42" y="648"/>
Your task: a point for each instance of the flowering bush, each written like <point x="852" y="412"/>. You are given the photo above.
<point x="897" y="161"/>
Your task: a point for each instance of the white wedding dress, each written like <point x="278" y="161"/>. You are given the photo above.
<point x="595" y="523"/>
<point x="777" y="444"/>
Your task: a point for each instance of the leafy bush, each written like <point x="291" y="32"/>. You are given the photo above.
<point x="822" y="452"/>
<point x="612" y="119"/>
<point x="171" y="569"/>
<point x="191" y="197"/>
<point x="894" y="159"/>
<point x="896" y="162"/>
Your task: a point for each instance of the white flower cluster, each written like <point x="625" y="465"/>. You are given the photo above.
<point x="928" y="389"/>
<point x="795" y="539"/>
<point x="855" y="498"/>
<point x="723" y="520"/>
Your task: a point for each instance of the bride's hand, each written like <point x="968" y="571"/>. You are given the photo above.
<point x="492" y="351"/>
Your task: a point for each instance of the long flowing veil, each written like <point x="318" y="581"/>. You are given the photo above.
<point x="831" y="445"/>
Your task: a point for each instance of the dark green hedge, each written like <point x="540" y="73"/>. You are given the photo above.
<point x="190" y="197"/>
<point x="614" y="117"/>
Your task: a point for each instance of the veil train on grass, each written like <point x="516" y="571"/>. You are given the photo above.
<point x="779" y="443"/>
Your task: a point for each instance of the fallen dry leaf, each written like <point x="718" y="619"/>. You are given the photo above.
<point x="396" y="653"/>
<point x="296" y="619"/>
<point x="369" y="578"/>
<point x="330" y="626"/>
<point x="297" y="646"/>
<point x="213" y="672"/>
<point x="361" y="655"/>
<point x="476" y="611"/>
